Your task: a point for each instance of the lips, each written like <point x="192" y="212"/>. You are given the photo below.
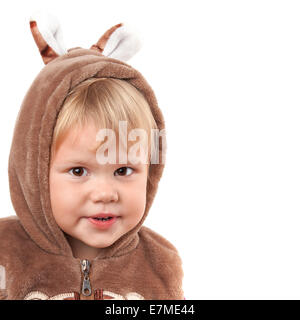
<point x="103" y="216"/>
<point x="103" y="220"/>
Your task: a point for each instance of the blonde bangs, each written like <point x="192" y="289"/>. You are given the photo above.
<point x="105" y="102"/>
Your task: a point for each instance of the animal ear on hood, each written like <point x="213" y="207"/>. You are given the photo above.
<point x="119" y="42"/>
<point x="47" y="35"/>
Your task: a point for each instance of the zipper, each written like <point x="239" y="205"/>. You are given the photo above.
<point x="86" y="284"/>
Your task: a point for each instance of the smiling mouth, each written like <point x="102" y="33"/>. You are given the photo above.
<point x="103" y="223"/>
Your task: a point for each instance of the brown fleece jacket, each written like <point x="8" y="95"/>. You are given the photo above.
<point x="36" y="260"/>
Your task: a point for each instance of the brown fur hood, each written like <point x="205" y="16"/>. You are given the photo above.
<point x="36" y="260"/>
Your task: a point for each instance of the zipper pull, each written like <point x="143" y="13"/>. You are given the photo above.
<point x="86" y="285"/>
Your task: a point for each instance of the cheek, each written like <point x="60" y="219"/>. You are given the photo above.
<point x="136" y="199"/>
<point x="62" y="197"/>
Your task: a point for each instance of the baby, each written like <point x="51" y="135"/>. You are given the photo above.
<point x="85" y="162"/>
<point x="96" y="204"/>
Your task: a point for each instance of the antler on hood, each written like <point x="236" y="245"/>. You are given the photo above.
<point x="118" y="42"/>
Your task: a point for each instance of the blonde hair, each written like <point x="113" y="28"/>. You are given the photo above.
<point x="105" y="101"/>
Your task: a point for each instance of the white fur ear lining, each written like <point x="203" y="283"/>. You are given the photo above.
<point x="123" y="43"/>
<point x="50" y="29"/>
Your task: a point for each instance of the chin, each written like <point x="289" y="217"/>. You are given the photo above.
<point x="101" y="245"/>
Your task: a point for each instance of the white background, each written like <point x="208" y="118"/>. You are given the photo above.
<point x="227" y="76"/>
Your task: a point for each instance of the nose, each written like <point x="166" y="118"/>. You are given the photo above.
<point x="104" y="192"/>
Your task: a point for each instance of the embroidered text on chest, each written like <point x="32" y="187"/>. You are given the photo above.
<point x="98" y="295"/>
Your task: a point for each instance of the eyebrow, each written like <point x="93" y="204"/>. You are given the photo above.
<point x="72" y="161"/>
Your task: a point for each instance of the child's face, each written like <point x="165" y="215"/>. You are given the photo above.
<point x="80" y="188"/>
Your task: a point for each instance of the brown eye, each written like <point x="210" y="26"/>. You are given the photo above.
<point x="77" y="171"/>
<point x="122" y="171"/>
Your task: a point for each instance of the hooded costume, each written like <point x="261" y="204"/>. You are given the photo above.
<point x="36" y="260"/>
